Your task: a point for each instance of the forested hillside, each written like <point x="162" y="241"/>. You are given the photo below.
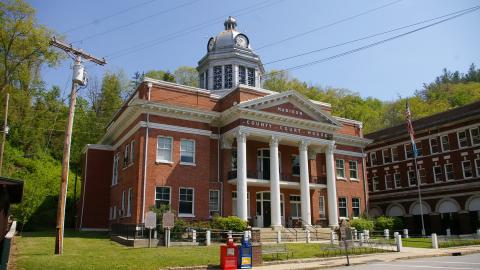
<point x="37" y="114"/>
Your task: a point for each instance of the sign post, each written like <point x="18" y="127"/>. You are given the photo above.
<point x="150" y="224"/>
<point x="168" y="221"/>
<point x="344" y="231"/>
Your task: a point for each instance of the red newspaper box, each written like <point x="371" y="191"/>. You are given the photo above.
<point x="228" y="255"/>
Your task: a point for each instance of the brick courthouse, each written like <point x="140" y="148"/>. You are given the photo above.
<point x="227" y="148"/>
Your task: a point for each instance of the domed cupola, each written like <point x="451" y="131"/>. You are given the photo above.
<point x="230" y="61"/>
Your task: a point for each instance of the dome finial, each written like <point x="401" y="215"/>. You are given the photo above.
<point x="230" y="23"/>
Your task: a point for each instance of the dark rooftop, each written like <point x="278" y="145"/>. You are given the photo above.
<point x="439" y="119"/>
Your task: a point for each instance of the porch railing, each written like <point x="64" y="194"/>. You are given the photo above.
<point x="258" y="174"/>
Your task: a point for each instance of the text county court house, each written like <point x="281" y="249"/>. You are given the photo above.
<point x="227" y="148"/>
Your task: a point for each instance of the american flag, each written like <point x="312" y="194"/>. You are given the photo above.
<point x="408" y="118"/>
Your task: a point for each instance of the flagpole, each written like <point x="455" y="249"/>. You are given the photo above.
<point x="419" y="191"/>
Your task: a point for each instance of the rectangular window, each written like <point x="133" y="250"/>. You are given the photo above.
<point x="321" y="206"/>
<point x="475" y="135"/>
<point x="395" y="156"/>
<point x="422" y="175"/>
<point x="206" y="79"/>
<point x="132" y="152"/>
<point x="129" y="202"/>
<point x="295" y="206"/>
<point x="242" y="75"/>
<point x="375" y="183"/>
<point x="434" y="145"/>
<point x="125" y="156"/>
<point x="228" y="81"/>
<point x="234" y="203"/>
<point x="462" y="139"/>
<point x="162" y="197"/>
<point x="387" y="155"/>
<point x="353" y="169"/>
<point x="217" y="77"/>
<point x="124" y="198"/>
<point x="340" y="165"/>
<point x="373" y="158"/>
<point x="234" y="159"/>
<point x="408" y="150"/>
<point x="186" y="201"/>
<point x="116" y="159"/>
<point x="467" y="169"/>
<point x="389" y="181"/>
<point x="477" y="165"/>
<point x="164" y="149"/>
<point x="202" y="80"/>
<point x="438" y="174"/>
<point x="251" y="77"/>
<point x="214" y="202"/>
<point x="295" y="165"/>
<point x="114" y="212"/>
<point x="355" y="207"/>
<point x="419" y="149"/>
<point x="397" y="179"/>
<point x="342" y="207"/>
<point x="187" y="151"/>
<point x="449" y="171"/>
<point x="445" y="143"/>
<point x="412" y="178"/>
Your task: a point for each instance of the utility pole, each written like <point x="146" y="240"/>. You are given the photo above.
<point x="79" y="78"/>
<point x="5" y="132"/>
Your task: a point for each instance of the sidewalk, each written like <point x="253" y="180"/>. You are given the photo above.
<point x="407" y="253"/>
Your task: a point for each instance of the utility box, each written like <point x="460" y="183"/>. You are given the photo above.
<point x="228" y="255"/>
<point x="245" y="255"/>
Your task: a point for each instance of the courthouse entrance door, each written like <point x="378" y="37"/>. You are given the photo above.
<point x="264" y="208"/>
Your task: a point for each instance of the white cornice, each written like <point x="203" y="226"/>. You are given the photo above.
<point x="176" y="85"/>
<point x="349" y="153"/>
<point x="350" y="121"/>
<point x="97" y="147"/>
<point x="351" y="140"/>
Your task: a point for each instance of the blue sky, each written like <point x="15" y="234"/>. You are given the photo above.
<point x="395" y="68"/>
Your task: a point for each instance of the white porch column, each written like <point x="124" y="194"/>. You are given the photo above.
<point x="275" y="185"/>
<point x="242" y="176"/>
<point x="331" y="187"/>
<point x="304" y="183"/>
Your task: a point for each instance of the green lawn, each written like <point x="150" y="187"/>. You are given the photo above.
<point x="427" y="242"/>
<point x="87" y="250"/>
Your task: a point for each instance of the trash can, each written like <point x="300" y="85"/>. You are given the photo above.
<point x="228" y="255"/>
<point x="245" y="255"/>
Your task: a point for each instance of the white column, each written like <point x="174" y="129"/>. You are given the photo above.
<point x="275" y="185"/>
<point x="331" y="187"/>
<point x="242" y="176"/>
<point x="304" y="183"/>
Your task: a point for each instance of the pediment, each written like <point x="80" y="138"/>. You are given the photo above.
<point x="291" y="104"/>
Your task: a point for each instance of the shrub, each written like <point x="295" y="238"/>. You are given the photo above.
<point x="229" y="223"/>
<point x="362" y="224"/>
<point x="391" y="223"/>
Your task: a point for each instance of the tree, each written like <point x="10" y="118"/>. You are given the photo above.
<point x="186" y="76"/>
<point x="24" y="45"/>
<point x="160" y="75"/>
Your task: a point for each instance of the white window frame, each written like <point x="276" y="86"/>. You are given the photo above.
<point x="389" y="151"/>
<point x="419" y="153"/>
<point x="116" y="159"/>
<point x="293" y="158"/>
<point x="355" y="170"/>
<point x="471" y="136"/>
<point x="477" y="166"/>
<point x="124" y="194"/>
<point x="372" y="162"/>
<point x="385" y="180"/>
<point x="393" y="156"/>
<point x="126" y="156"/>
<point x="194" y="152"/>
<point x="463" y="169"/>
<point x="435" y="175"/>
<point x="375" y="183"/>
<point x="346" y="207"/>
<point x="395" y="180"/>
<point x="405" y="150"/>
<point x="356" y="207"/>
<point x="298" y="205"/>
<point x="466" y="139"/>
<point x="409" y="178"/>
<point x="448" y="143"/>
<point x="342" y="168"/>
<point x="321" y="207"/>
<point x="129" y="202"/>
<point x="419" y="175"/>
<point x="169" y="196"/>
<point x="445" y="171"/>
<point x="193" y="203"/>
<point x="233" y="161"/>
<point x="217" y="202"/>
<point x="439" y="148"/>
<point x="171" y="150"/>
<point x="114" y="212"/>
<point x="132" y="152"/>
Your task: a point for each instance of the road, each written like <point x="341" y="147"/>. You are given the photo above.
<point x="465" y="262"/>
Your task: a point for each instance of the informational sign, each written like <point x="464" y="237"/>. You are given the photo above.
<point x="168" y="220"/>
<point x="151" y="220"/>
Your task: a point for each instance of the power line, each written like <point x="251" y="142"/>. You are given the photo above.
<point x="364" y="38"/>
<point x="108" y="16"/>
<point x="190" y="29"/>
<point x="136" y="21"/>
<point x="327" y="25"/>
